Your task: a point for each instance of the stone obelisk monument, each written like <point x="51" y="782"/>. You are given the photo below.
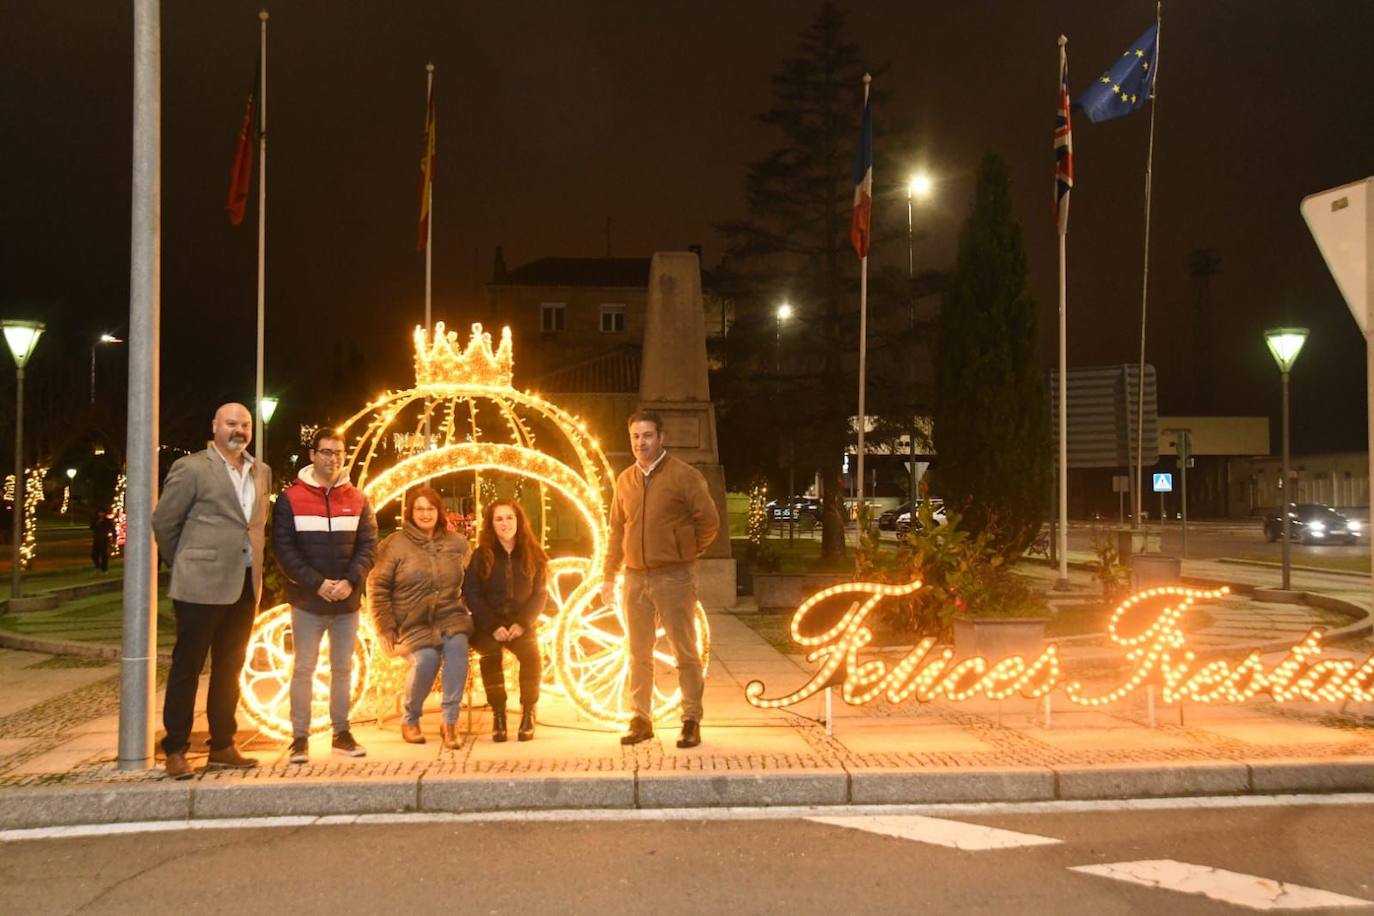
<point x="672" y="381"/>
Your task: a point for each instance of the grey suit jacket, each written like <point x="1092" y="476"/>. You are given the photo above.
<point x="200" y="529"/>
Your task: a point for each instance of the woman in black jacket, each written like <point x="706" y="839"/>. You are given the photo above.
<point x="505" y="590"/>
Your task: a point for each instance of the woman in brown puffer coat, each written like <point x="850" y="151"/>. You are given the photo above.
<point x="416" y="594"/>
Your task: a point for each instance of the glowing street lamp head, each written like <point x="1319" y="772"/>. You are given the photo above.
<point x="268" y="408"/>
<point x="110" y="338"/>
<point x="71" y="473"/>
<point x="1285" y="344"/>
<point x="919" y="186"/>
<point x="785" y="311"/>
<point x="22" y="337"/>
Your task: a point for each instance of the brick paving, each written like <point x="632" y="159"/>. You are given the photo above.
<point x="68" y="738"/>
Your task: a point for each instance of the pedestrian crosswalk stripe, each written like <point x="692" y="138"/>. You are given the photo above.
<point x="1251" y="891"/>
<point x="954" y="834"/>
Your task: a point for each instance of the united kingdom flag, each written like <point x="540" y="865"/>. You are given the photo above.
<point x="1063" y="145"/>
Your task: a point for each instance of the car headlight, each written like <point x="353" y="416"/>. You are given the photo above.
<point x="1353" y="526"/>
<point x="1317" y="527"/>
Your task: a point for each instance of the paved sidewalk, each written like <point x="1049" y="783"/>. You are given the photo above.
<point x="58" y="736"/>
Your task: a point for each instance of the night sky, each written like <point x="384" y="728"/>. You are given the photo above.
<point x="554" y="116"/>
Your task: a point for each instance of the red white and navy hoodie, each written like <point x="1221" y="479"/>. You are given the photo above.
<point x="323" y="533"/>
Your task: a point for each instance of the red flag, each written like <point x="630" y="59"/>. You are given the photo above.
<point x="860" y="219"/>
<point x="426" y="174"/>
<point x="241" y="175"/>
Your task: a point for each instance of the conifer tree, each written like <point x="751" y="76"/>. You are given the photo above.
<point x="991" y="407"/>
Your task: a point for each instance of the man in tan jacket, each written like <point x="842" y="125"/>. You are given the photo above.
<point x="209" y="525"/>
<point x="662" y="519"/>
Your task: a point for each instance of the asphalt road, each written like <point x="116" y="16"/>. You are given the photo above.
<point x="696" y="863"/>
<point x="1210" y="540"/>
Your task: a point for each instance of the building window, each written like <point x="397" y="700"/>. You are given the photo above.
<point x="612" y="319"/>
<point x="553" y="316"/>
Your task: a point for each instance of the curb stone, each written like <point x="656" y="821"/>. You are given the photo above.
<point x="504" y="793"/>
<point x="62" y="806"/>
<point x="885" y="787"/>
<point x="766" y="789"/>
<point x="1152" y="781"/>
<point x="305" y="796"/>
<point x="1312" y="776"/>
<point x="50" y="806"/>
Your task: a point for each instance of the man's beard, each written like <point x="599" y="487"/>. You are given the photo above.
<point x="236" y="443"/>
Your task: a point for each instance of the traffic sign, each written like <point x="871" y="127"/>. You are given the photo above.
<point x="1164" y="483"/>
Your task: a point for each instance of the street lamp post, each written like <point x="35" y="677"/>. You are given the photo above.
<point x="267" y="407"/>
<point x="22" y="338"/>
<point x="784" y="313"/>
<point x="1285" y="344"/>
<point x="103" y="339"/>
<point x="918" y="186"/>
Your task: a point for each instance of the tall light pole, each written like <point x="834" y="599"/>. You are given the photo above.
<point x="784" y="313"/>
<point x="918" y="186"/>
<point x="102" y="339"/>
<point x="266" y="408"/>
<point x="22" y="338"/>
<point x="1285" y="344"/>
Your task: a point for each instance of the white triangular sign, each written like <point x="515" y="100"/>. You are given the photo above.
<point x="1340" y="222"/>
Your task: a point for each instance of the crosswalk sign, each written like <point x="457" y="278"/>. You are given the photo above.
<point x="1164" y="483"/>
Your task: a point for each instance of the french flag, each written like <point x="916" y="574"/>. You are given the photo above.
<point x="860" y="222"/>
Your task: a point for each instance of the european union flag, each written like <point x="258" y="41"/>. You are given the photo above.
<point x="1128" y="85"/>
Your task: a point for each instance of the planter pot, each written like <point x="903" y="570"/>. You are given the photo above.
<point x="784" y="592"/>
<point x="996" y="638"/>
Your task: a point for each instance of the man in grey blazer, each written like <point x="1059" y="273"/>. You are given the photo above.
<point x="209" y="525"/>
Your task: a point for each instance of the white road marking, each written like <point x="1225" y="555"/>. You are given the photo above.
<point x="565" y="815"/>
<point x="940" y="832"/>
<point x="1251" y="891"/>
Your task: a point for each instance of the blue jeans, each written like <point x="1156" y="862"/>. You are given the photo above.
<point x="424" y="665"/>
<point x="307" y="629"/>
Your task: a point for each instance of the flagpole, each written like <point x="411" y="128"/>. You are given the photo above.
<point x="429" y="200"/>
<point x="262" y="225"/>
<point x="863" y="369"/>
<point x="1145" y="278"/>
<point x="1062" y="536"/>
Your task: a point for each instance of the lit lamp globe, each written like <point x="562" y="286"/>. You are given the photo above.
<point x="22" y="338"/>
<point x="919" y="186"/>
<point x="785" y="311"/>
<point x="1285" y="344"/>
<point x="71" y="473"/>
<point x="268" y="407"/>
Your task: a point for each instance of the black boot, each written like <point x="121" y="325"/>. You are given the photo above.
<point x="498" y="723"/>
<point x="527" y="724"/>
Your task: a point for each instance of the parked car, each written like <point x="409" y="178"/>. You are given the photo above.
<point x="888" y="520"/>
<point x="904" y="521"/>
<point x="1312" y="524"/>
<point x="798" y="508"/>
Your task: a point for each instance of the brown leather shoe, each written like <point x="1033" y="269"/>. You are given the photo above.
<point x="640" y="730"/>
<point x="448" y="734"/>
<point x="411" y="734"/>
<point x="178" y="768"/>
<point x="229" y="758"/>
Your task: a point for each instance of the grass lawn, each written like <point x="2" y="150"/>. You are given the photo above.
<point x="94" y="618"/>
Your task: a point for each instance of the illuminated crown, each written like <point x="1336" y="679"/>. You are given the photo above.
<point x="442" y="363"/>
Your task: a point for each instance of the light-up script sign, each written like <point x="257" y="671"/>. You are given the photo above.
<point x="1156" y="652"/>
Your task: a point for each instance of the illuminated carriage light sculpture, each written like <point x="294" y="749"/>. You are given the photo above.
<point x="436" y="425"/>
